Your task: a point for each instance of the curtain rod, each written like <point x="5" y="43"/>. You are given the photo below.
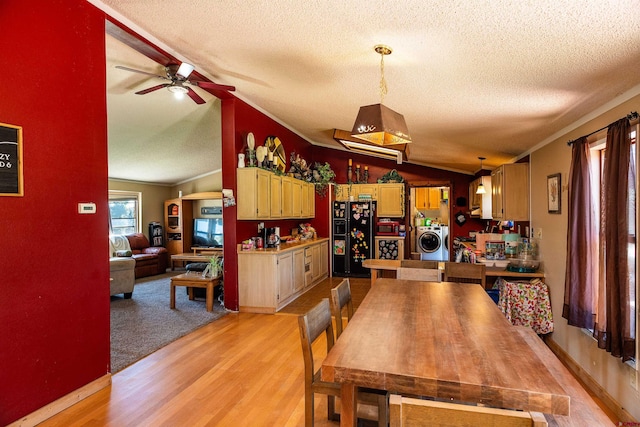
<point x="631" y="116"/>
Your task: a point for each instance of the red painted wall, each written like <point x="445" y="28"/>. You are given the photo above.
<point x="54" y="272"/>
<point x="238" y="119"/>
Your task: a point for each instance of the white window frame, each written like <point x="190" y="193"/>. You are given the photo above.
<point x="128" y="195"/>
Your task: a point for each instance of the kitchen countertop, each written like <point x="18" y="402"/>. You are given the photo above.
<point x="283" y="248"/>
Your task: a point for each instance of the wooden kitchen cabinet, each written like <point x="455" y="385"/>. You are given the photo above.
<point x="269" y="279"/>
<point x="311" y="200"/>
<point x="254" y="190"/>
<point x="265" y="195"/>
<point x="343" y="191"/>
<point x="390" y="200"/>
<point x="275" y="187"/>
<point x="285" y="276"/>
<point x="389" y="197"/>
<point x="480" y="204"/>
<point x="298" y="270"/>
<point x="510" y="192"/>
<point x="428" y="198"/>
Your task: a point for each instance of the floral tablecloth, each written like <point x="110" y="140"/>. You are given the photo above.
<point x="526" y="303"/>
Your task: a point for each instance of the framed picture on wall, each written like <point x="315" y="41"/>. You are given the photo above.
<point x="554" y="193"/>
<point x="11" y="181"/>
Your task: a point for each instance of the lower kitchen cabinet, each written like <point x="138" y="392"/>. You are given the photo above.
<point x="389" y="247"/>
<point x="269" y="279"/>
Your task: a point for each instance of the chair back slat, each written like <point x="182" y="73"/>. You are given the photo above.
<point x="465" y="272"/>
<point x="341" y="298"/>
<point x="423" y="274"/>
<point x="412" y="263"/>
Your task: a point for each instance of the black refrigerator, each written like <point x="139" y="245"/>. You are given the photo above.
<point x="352" y="234"/>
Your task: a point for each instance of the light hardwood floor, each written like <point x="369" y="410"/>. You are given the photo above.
<point x="241" y="370"/>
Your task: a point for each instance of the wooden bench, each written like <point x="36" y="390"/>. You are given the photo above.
<point x="584" y="410"/>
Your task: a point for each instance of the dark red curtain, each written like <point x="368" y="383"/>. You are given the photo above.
<point x="613" y="328"/>
<point x="582" y="261"/>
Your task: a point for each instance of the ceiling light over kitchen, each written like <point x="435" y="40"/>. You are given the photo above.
<point x="377" y="124"/>
<point x="481" y="189"/>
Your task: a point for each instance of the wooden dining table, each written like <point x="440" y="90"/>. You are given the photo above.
<point x="443" y="340"/>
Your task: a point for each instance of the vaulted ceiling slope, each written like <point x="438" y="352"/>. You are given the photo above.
<point x="472" y="78"/>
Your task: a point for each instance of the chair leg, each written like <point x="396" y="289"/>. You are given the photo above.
<point x="308" y="408"/>
<point x="383" y="410"/>
<point x="331" y="409"/>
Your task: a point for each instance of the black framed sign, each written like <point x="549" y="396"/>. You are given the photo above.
<point x="11" y="183"/>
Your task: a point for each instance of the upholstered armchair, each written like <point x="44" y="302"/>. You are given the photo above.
<point x="121" y="272"/>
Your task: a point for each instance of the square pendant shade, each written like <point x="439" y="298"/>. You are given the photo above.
<point x="381" y="126"/>
<point x="397" y="152"/>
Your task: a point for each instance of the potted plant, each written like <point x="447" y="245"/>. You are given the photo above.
<point x="214" y="268"/>
<point x="322" y="176"/>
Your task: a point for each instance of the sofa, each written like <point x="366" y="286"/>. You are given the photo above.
<point x="149" y="260"/>
<point x="122" y="275"/>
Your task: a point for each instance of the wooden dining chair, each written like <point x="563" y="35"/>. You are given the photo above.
<point x="371" y="406"/>
<point x="423" y="274"/>
<point x="465" y="272"/>
<point x="413" y="263"/>
<point x="341" y="298"/>
<point x="410" y="412"/>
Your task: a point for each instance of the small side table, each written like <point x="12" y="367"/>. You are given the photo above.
<point x="193" y="280"/>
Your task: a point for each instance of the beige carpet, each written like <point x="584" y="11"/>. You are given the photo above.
<point x="145" y="323"/>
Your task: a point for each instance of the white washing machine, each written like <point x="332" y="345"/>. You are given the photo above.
<point x="432" y="242"/>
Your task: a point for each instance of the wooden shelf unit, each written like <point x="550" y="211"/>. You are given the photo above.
<point x="178" y="220"/>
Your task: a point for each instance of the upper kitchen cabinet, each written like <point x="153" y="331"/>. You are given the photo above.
<point x="254" y="191"/>
<point x="510" y="192"/>
<point x="265" y="195"/>
<point x="428" y="198"/>
<point x="390" y="200"/>
<point x="480" y="204"/>
<point x="389" y="197"/>
<point x="344" y="191"/>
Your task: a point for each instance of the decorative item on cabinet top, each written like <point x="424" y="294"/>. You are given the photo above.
<point x="275" y="153"/>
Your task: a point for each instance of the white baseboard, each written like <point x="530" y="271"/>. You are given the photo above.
<point x="63" y="403"/>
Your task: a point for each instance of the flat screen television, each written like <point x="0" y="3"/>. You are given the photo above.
<point x="207" y="232"/>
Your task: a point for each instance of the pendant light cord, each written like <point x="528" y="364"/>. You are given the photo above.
<point x="383" y="83"/>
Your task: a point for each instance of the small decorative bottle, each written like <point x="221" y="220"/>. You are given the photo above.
<point x="241" y="160"/>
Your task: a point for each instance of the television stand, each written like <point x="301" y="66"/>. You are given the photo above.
<point x="203" y="250"/>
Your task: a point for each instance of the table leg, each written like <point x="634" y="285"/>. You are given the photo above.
<point x="349" y="404"/>
<point x="191" y="297"/>
<point x="374" y="275"/>
<point x="172" y="295"/>
<point x="210" y="295"/>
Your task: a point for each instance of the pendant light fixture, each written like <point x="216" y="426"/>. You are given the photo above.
<point x="481" y="189"/>
<point x="380" y="125"/>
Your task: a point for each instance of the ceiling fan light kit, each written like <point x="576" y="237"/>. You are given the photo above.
<point x="380" y="126"/>
<point x="178" y="75"/>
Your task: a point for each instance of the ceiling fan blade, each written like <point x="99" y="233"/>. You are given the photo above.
<point x="151" y="89"/>
<point x="193" y="95"/>
<point x="140" y="72"/>
<point x="211" y="85"/>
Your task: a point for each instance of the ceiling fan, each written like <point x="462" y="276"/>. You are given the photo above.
<point x="178" y="76"/>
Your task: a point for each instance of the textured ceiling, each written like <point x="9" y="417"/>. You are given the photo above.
<point x="472" y="78"/>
